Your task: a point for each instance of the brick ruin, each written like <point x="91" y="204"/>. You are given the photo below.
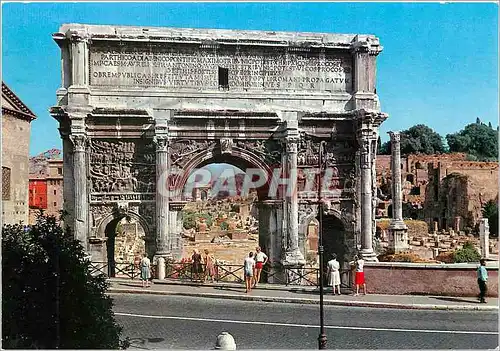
<point x="446" y="189"/>
<point x="443" y="197"/>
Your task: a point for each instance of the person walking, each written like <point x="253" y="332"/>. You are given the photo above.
<point x="260" y="260"/>
<point x="333" y="273"/>
<point x="482" y="279"/>
<point x="359" y="279"/>
<point x="248" y="268"/>
<point x="209" y="266"/>
<point x="145" y="271"/>
<point x="196" y="268"/>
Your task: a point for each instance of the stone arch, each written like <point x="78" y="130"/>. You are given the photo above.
<point x="106" y="231"/>
<point x="338" y="235"/>
<point x="238" y="157"/>
<point x="118" y="216"/>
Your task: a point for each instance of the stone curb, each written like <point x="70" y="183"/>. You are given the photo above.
<point x="372" y="304"/>
<point x="290" y="288"/>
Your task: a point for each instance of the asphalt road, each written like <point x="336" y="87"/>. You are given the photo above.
<point x="171" y="322"/>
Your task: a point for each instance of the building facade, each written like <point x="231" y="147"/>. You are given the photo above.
<point x="46" y="190"/>
<point x="16" y="129"/>
<point x="141" y="108"/>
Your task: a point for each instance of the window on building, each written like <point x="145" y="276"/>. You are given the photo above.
<point x="59" y="171"/>
<point x="224" y="78"/>
<point x="5" y="183"/>
<point x="55" y="203"/>
<point x="55" y="192"/>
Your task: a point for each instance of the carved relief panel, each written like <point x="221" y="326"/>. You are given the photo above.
<point x="121" y="167"/>
<point x="339" y="160"/>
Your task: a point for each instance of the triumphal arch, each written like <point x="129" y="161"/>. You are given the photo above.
<point x="141" y="108"/>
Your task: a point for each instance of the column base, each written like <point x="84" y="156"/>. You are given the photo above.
<point x="294" y="258"/>
<point x="398" y="238"/>
<point x="369" y="255"/>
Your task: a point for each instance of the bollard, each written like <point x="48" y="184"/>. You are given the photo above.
<point x="225" y="341"/>
<point x="161" y="268"/>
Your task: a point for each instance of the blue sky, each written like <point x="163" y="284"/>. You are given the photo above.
<point x="439" y="66"/>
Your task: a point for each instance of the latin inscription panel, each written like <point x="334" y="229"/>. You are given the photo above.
<point x="192" y="67"/>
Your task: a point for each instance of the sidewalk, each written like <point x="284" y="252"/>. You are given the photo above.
<point x="298" y="294"/>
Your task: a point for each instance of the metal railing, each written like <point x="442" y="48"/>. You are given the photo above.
<point x="183" y="271"/>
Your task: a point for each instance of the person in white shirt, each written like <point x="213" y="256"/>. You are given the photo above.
<point x="248" y="268"/>
<point x="260" y="261"/>
<point x="334" y="273"/>
<point x="359" y="279"/>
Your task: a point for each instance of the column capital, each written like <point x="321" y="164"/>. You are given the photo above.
<point x="79" y="141"/>
<point x="291" y="144"/>
<point x="162" y="143"/>
<point x="395" y="136"/>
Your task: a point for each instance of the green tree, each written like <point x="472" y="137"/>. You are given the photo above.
<point x="50" y="299"/>
<point x="477" y="140"/>
<point x="490" y="211"/>
<point x="421" y="139"/>
<point x="189" y="220"/>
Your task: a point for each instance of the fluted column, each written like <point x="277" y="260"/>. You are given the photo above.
<point x="366" y="198"/>
<point x="80" y="188"/>
<point x="397" y="228"/>
<point x="293" y="255"/>
<point x="367" y="133"/>
<point x="162" y="200"/>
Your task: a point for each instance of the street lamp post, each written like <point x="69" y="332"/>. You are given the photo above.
<point x="322" y="336"/>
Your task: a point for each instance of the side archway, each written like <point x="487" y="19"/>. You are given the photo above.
<point x="107" y="232"/>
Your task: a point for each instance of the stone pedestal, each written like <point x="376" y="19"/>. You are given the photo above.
<point x="484" y="237"/>
<point x="397" y="228"/>
<point x="161" y="268"/>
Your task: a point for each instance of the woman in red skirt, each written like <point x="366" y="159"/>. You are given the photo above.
<point x="359" y="278"/>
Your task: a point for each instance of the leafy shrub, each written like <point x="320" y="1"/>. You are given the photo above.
<point x="467" y="253"/>
<point x="49" y="297"/>
<point x="224" y="226"/>
<point x="189" y="220"/>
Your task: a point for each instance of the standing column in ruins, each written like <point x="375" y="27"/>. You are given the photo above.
<point x="80" y="217"/>
<point x="397" y="228"/>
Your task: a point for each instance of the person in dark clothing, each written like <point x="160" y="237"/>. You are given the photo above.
<point x="482" y="279"/>
<point x="197" y="266"/>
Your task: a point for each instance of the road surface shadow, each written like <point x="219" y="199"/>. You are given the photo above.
<point x="241" y="290"/>
<point x="140" y="343"/>
<point x="455" y="299"/>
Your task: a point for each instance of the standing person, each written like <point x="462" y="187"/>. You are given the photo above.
<point x="249" y="268"/>
<point x="260" y="260"/>
<point x="145" y="271"/>
<point x="482" y="279"/>
<point x="359" y="279"/>
<point x="334" y="273"/>
<point x="209" y="266"/>
<point x="196" y="268"/>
